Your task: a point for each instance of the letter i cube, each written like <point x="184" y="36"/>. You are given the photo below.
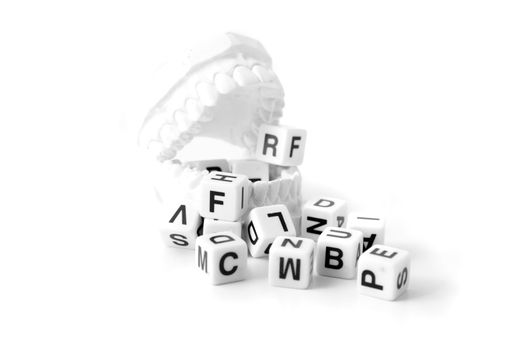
<point x="320" y="213"/>
<point x="338" y="251"/>
<point x="281" y="145"/>
<point x="221" y="257"/>
<point x="372" y="226"/>
<point x="291" y="262"/>
<point x="383" y="272"/>
<point x="180" y="224"/>
<point x="224" y="196"/>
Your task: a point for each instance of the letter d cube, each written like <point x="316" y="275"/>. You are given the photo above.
<point x="383" y="272"/>
<point x="224" y="196"/>
<point x="222" y="257"/>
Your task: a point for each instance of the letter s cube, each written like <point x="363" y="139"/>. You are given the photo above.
<point x="383" y="272"/>
<point x="221" y="257"/>
<point x="224" y="196"/>
<point x="281" y="145"/>
<point x="180" y="224"/>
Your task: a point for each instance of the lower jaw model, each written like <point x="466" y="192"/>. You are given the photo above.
<point x="228" y="91"/>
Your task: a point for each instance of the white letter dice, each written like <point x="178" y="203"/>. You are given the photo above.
<point x="338" y="251"/>
<point x="291" y="262"/>
<point x="383" y="272"/>
<point x="372" y="226"/>
<point x="224" y="196"/>
<point x="222" y="257"/>
<point x="221" y="165"/>
<point x="180" y="226"/>
<point x="321" y="213"/>
<point x="214" y="226"/>
<point x="253" y="169"/>
<point x="266" y="223"/>
<point x="280" y="145"/>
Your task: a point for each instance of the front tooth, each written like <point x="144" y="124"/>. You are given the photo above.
<point x="243" y="76"/>
<point x="207" y="94"/>
<point x="181" y="120"/>
<point x="262" y="73"/>
<point x="284" y="189"/>
<point x="224" y="83"/>
<point x="168" y="134"/>
<point x="194" y="109"/>
<point x="273" y="191"/>
<point x="259" y="192"/>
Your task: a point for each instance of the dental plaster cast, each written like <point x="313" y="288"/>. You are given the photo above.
<point x="228" y="91"/>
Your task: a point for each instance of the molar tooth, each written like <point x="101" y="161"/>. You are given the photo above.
<point x="262" y="73"/>
<point x="168" y="133"/>
<point x="181" y="120"/>
<point x="224" y="83"/>
<point x="273" y="192"/>
<point x="194" y="109"/>
<point x="207" y="93"/>
<point x="243" y="76"/>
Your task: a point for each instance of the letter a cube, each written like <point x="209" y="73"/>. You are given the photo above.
<point x="224" y="196"/>
<point x="338" y="251"/>
<point x="320" y="213"/>
<point x="180" y="224"/>
<point x="372" y="226"/>
<point x="383" y="272"/>
<point x="221" y="257"/>
<point x="291" y="262"/>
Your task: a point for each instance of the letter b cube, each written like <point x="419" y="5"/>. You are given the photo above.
<point x="338" y="251"/>
<point x="281" y="145"/>
<point x="291" y="262"/>
<point x="224" y="196"/>
<point x="383" y="272"/>
<point x="222" y="257"/>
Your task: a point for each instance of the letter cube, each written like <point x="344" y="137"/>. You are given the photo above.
<point x="291" y="262"/>
<point x="214" y="226"/>
<point x="224" y="196"/>
<point x="180" y="225"/>
<point x="383" y="272"/>
<point x="222" y="257"/>
<point x="338" y="251"/>
<point x="372" y="226"/>
<point x="266" y="223"/>
<point x="320" y="213"/>
<point x="280" y="145"/>
<point x="255" y="170"/>
<point x="221" y="165"/>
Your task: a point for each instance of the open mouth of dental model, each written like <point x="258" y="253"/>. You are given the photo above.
<point x="227" y="93"/>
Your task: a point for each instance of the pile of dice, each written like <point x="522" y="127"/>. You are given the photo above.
<point x="223" y="229"/>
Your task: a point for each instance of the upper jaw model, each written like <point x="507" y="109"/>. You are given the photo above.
<point x="228" y="91"/>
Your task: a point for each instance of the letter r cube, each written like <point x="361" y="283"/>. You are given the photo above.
<point x="281" y="145"/>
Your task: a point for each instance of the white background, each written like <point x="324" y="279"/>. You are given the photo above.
<point x="413" y="109"/>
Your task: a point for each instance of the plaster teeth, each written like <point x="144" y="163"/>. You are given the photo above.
<point x="272" y="104"/>
<point x="194" y="109"/>
<point x="259" y="192"/>
<point x="284" y="188"/>
<point x="273" y="191"/>
<point x="224" y="83"/>
<point x="181" y="120"/>
<point x="243" y="76"/>
<point x="155" y="148"/>
<point x="168" y="133"/>
<point x="249" y="140"/>
<point x="207" y="93"/>
<point x="262" y="73"/>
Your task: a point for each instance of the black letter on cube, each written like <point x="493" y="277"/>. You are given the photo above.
<point x="313" y="229"/>
<point x="281" y="219"/>
<point x="283" y="270"/>
<point x="294" y="146"/>
<point x="320" y="203"/>
<point x="179" y="239"/>
<point x="402" y="278"/>
<point x="223" y="177"/>
<point x="214" y="194"/>
<point x="233" y="255"/>
<point x="383" y="253"/>
<point x="273" y="145"/>
<point x="337" y="257"/>
<point x="202" y="260"/>
<point x="372" y="283"/>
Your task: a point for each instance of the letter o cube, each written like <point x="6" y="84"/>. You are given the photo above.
<point x="280" y="145"/>
<point x="224" y="196"/>
<point x="383" y="272"/>
<point x="180" y="225"/>
<point x="291" y="262"/>
<point x="338" y="251"/>
<point x="222" y="257"/>
<point x="320" y="213"/>
<point x="266" y="223"/>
